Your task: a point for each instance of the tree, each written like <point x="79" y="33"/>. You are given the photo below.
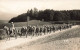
<point x="48" y="15"/>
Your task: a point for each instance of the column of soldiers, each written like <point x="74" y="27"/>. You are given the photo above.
<point x="34" y="30"/>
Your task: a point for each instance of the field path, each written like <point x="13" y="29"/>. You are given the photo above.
<point x="41" y="42"/>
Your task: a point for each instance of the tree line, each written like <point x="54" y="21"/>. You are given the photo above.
<point x="48" y="15"/>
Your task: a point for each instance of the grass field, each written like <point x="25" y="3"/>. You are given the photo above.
<point x="20" y="24"/>
<point x="35" y="22"/>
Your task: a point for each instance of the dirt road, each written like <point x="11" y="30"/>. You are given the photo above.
<point x="63" y="40"/>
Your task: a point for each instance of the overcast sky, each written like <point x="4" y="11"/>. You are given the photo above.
<point x="12" y="8"/>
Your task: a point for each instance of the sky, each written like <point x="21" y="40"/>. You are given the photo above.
<point x="12" y="8"/>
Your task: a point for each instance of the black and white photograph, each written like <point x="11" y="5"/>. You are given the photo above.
<point x="39" y="24"/>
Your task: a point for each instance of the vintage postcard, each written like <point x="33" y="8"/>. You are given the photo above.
<point x="39" y="24"/>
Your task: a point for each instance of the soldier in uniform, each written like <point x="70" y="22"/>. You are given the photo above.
<point x="53" y="28"/>
<point x="12" y="29"/>
<point x="33" y="30"/>
<point x="37" y="30"/>
<point x="15" y="33"/>
<point x="41" y="30"/>
<point x="22" y="31"/>
<point x="26" y="31"/>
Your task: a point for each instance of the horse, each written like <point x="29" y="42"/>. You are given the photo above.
<point x="7" y="32"/>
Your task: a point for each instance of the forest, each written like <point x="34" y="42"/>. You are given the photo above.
<point x="48" y="15"/>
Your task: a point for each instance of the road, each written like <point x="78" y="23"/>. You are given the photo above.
<point x="64" y="40"/>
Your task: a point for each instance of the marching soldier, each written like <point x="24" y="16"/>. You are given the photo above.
<point x="37" y="30"/>
<point x="26" y="31"/>
<point x="33" y="30"/>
